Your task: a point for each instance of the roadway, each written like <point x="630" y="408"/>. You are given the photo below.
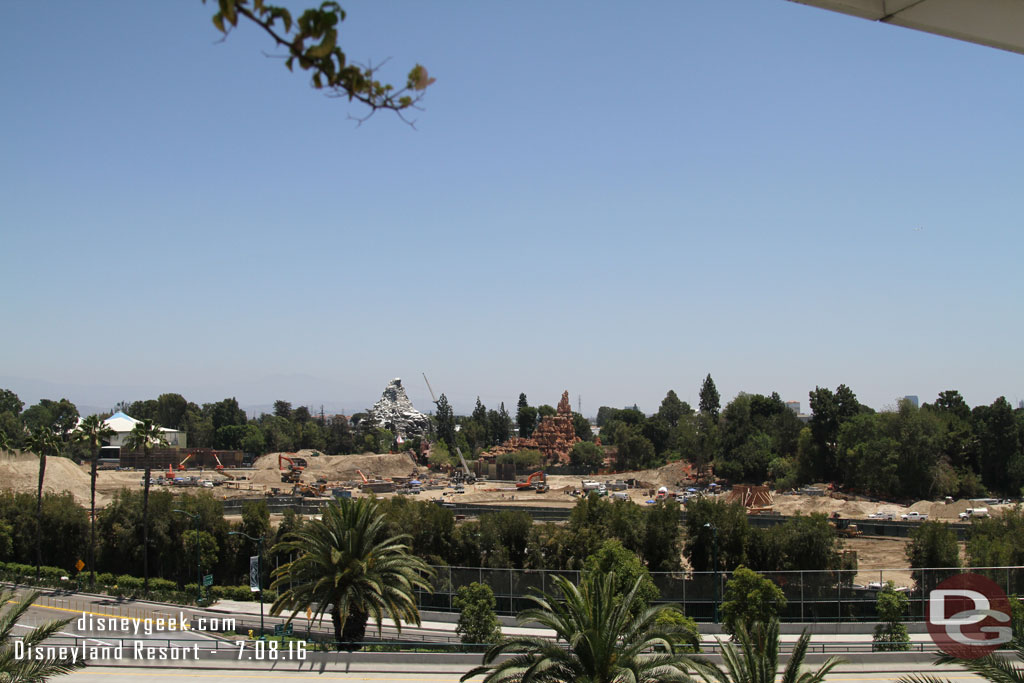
<point x="417" y="674"/>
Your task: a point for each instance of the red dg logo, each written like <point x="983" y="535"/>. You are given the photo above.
<point x="968" y="616"/>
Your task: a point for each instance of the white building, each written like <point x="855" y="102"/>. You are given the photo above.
<point x="123" y="425"/>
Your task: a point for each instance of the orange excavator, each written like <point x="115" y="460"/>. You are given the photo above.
<point x="295" y="468"/>
<point x="365" y="480"/>
<point x="181" y="465"/>
<point x="536" y="481"/>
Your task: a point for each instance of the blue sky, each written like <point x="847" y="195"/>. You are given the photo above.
<point x="607" y="199"/>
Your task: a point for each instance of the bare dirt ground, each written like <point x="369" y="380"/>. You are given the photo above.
<point x="20" y="471"/>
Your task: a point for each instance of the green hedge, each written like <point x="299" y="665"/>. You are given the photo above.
<point x="161" y="590"/>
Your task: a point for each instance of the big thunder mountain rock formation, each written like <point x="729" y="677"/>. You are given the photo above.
<point x="395" y="412"/>
<point x="554" y="436"/>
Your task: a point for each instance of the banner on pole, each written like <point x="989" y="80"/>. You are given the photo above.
<point x="254" y="574"/>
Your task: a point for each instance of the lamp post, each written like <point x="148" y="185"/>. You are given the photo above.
<point x="714" y="551"/>
<point x="259" y="568"/>
<point x="199" y="572"/>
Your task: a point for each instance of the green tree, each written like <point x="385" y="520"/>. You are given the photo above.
<point x="890" y="634"/>
<point x="10" y="403"/>
<point x="581" y="426"/>
<point x="750" y="598"/>
<point x="93" y="432"/>
<point x="170" y="411"/>
<point x="42" y="442"/>
<point x="710" y="401"/>
<point x="828" y="413"/>
<point x="932" y="545"/>
<point x="445" y="422"/>
<point x="499" y="425"/>
<point x="346" y="563"/>
<point x="145" y="436"/>
<point x="586" y="456"/>
<point x="526" y="417"/>
<point x="28" y="669"/>
<point x="672" y="409"/>
<point x="477" y="621"/>
<point x="730" y="519"/>
<point x="601" y="637"/>
<point x="753" y="657"/>
<point x="613" y="559"/>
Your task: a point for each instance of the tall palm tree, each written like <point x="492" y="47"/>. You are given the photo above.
<point x="93" y="432"/>
<point x="598" y="640"/>
<point x="991" y="668"/>
<point x="145" y="436"/>
<point x="347" y="562"/>
<point x="27" y="670"/>
<point x="753" y="657"/>
<point x="42" y="442"/>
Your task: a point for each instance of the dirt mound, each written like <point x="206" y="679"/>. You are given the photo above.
<point x="21" y="473"/>
<point x="336" y="467"/>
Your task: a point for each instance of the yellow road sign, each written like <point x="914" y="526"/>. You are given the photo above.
<point x="79" y="565"/>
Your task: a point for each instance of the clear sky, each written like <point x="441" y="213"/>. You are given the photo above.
<point x="614" y="199"/>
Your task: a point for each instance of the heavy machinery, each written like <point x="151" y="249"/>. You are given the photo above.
<point x="843" y="527"/>
<point x="181" y="465"/>
<point x="295" y="468"/>
<point x="309" y="490"/>
<point x="222" y="471"/>
<point x="536" y="481"/>
<point x="468" y="476"/>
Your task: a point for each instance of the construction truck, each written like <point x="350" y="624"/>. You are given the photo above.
<point x="293" y="474"/>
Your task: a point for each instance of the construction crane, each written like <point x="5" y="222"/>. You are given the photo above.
<point x="470" y="477"/>
<point x="220" y="467"/>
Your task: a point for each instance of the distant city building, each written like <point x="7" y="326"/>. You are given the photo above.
<point x="913" y="400"/>
<point x="794" y="406"/>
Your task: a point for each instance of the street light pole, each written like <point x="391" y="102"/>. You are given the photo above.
<point x="259" y="568"/>
<point x="199" y="571"/>
<point x="714" y="546"/>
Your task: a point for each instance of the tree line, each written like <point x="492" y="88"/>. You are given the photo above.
<point x="945" y="448"/>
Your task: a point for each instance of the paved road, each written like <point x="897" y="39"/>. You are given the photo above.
<point x="424" y="674"/>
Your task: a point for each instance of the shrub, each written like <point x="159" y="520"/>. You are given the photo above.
<point x="477" y="621"/>
<point x="750" y="597"/>
<point x="686" y="635"/>
<point x="891" y="635"/>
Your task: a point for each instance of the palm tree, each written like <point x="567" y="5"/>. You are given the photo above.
<point x="753" y="657"/>
<point x="42" y="442"/>
<point x="28" y="670"/>
<point x="991" y="668"/>
<point x="346" y="562"/>
<point x="603" y="641"/>
<point x="145" y="436"/>
<point x="93" y="432"/>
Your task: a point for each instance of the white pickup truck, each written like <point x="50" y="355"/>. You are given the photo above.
<point x="889" y="516"/>
<point x="973" y="512"/>
<point x="914" y="516"/>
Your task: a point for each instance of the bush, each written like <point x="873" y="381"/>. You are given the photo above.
<point x="477" y="622"/>
<point x="891" y="635"/>
<point x="686" y="635"/>
<point x="105" y="579"/>
<point x="750" y="597"/>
